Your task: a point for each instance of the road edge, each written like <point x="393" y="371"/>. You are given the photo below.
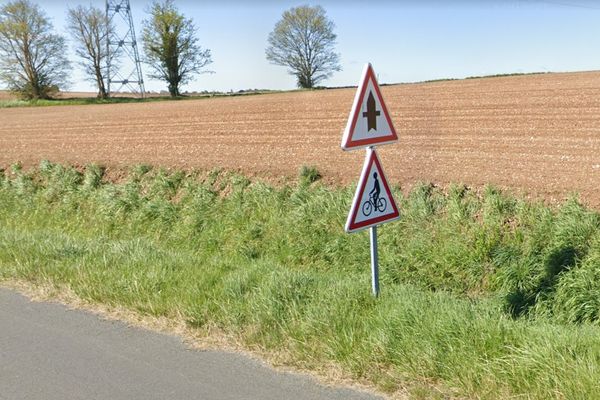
<point x="207" y="339"/>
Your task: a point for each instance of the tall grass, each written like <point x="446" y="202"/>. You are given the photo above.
<point x="484" y="295"/>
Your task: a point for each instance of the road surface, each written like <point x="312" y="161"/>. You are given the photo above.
<point x="50" y="352"/>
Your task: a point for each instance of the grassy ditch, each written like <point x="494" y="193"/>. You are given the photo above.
<point x="483" y="295"/>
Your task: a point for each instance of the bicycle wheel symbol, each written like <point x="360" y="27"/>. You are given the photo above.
<point x="367" y="207"/>
<point x="381" y="204"/>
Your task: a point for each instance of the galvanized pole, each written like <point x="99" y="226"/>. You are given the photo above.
<point x="374" y="266"/>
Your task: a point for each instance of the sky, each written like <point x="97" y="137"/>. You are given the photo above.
<point x="406" y="41"/>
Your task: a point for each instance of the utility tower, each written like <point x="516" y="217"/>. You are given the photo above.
<point x="123" y="66"/>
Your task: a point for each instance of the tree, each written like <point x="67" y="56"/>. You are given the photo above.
<point x="171" y="46"/>
<point x="33" y="60"/>
<point x="303" y="40"/>
<point x="90" y="30"/>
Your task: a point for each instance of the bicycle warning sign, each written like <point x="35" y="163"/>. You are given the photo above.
<point x="373" y="203"/>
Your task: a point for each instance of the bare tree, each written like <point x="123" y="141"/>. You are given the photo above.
<point x="303" y="40"/>
<point x="90" y="30"/>
<point x="171" y="46"/>
<point x="33" y="60"/>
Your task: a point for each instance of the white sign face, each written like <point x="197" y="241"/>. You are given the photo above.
<point x="369" y="122"/>
<point x="373" y="203"/>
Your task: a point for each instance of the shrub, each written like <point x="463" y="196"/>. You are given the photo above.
<point x="309" y="174"/>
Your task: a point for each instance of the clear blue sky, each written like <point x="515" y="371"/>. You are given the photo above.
<point x="406" y="41"/>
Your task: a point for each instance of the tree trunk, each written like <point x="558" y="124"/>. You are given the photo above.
<point x="33" y="91"/>
<point x="305" y="81"/>
<point x="100" y="82"/>
<point x="173" y="89"/>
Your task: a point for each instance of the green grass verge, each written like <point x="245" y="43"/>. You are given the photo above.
<point x="81" y="101"/>
<point x="119" y="100"/>
<point x="484" y="295"/>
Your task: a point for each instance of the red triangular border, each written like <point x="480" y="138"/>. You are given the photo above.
<point x="348" y="143"/>
<point x="351" y="224"/>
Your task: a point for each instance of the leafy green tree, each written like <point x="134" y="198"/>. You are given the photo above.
<point x="33" y="60"/>
<point x="171" y="46"/>
<point x="303" y="40"/>
<point x="90" y="31"/>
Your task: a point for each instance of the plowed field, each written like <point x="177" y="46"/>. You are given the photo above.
<point x="539" y="134"/>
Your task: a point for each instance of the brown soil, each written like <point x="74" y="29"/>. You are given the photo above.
<point x="539" y="134"/>
<point x="5" y="95"/>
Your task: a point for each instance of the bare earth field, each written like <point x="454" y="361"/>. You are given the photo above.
<point x="4" y="95"/>
<point x="538" y="134"/>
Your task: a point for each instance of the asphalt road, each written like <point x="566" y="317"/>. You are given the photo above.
<point x="50" y="352"/>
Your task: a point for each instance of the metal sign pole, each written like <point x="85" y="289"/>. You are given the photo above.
<point x="378" y="129"/>
<point x="374" y="266"/>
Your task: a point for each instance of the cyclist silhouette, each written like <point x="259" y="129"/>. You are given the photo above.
<point x="374" y="202"/>
<point x="376" y="190"/>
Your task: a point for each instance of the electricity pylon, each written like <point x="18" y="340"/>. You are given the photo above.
<point x="122" y="50"/>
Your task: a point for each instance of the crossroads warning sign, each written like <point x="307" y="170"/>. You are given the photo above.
<point x="373" y="203"/>
<point x="369" y="122"/>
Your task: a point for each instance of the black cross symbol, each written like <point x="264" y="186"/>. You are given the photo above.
<point x="372" y="113"/>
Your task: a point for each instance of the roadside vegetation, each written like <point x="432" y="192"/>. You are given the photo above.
<point x="11" y="103"/>
<point x="484" y="295"/>
<point x="75" y="101"/>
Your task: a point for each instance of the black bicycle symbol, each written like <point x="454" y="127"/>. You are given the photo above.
<point x="369" y="205"/>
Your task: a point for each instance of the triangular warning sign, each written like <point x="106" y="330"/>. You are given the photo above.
<point x="369" y="122"/>
<point x="373" y="203"/>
